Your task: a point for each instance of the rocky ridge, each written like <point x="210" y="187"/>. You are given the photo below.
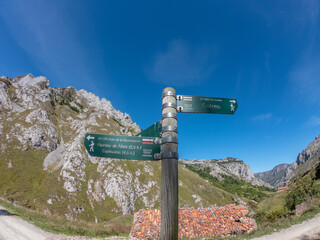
<point x="281" y="174"/>
<point x="46" y="167"/>
<point x="230" y="167"/>
<point x="274" y="176"/>
<point x="33" y="121"/>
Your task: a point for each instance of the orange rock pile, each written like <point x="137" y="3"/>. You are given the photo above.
<point x="195" y="223"/>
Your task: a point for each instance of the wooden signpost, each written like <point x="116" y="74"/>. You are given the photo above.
<point x="169" y="166"/>
<point x="146" y="146"/>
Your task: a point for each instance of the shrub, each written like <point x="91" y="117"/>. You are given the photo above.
<point x="74" y="109"/>
<point x="301" y="190"/>
<point x="276" y="214"/>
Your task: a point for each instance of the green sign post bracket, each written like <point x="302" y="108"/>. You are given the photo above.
<point x="196" y="104"/>
<point x="123" y="147"/>
<point x="153" y="131"/>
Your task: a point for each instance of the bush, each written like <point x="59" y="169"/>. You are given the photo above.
<point x="301" y="190"/>
<point x="276" y="214"/>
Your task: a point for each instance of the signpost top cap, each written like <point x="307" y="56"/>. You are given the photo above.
<point x="168" y="92"/>
<point x="169" y="89"/>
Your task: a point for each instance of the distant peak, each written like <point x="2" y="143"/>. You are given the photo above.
<point x="29" y="80"/>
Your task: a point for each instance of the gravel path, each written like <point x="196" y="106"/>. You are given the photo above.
<point x="14" y="228"/>
<point x="307" y="230"/>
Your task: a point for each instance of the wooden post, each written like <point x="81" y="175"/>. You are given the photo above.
<point x="169" y="167"/>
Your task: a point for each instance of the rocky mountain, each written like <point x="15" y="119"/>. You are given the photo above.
<point x="228" y="167"/>
<point x="44" y="164"/>
<point x="274" y="176"/>
<point x="281" y="174"/>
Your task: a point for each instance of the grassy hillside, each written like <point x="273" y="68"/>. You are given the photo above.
<point x="192" y="184"/>
<point x="279" y="210"/>
<point x="304" y="187"/>
<point x="301" y="189"/>
<point x="101" y="186"/>
<point x="233" y="185"/>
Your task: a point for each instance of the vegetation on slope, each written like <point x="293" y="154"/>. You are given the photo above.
<point x="118" y="226"/>
<point x="304" y="187"/>
<point x="298" y="203"/>
<point x="233" y="185"/>
<point x="191" y="186"/>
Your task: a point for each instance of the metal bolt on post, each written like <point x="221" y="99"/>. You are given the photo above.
<point x="169" y="166"/>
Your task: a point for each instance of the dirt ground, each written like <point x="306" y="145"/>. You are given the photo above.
<point x="307" y="230"/>
<point x="14" y="228"/>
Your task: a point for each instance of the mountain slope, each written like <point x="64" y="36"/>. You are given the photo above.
<point x="274" y="176"/>
<point x="227" y="167"/>
<point x="232" y="175"/>
<point x="45" y="165"/>
<point x="281" y="174"/>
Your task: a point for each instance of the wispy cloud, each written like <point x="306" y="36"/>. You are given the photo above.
<point x="50" y="35"/>
<point x="299" y="17"/>
<point x="182" y="65"/>
<point x="304" y="76"/>
<point x="305" y="80"/>
<point x="314" y="121"/>
<point x="262" y="117"/>
<point x="266" y="117"/>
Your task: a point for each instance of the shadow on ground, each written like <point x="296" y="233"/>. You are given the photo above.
<point x="311" y="237"/>
<point x="5" y="213"/>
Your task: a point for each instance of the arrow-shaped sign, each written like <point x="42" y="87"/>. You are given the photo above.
<point x="123" y="147"/>
<point x="197" y="104"/>
<point x="90" y="137"/>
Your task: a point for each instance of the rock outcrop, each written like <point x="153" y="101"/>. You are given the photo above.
<point x="44" y="164"/>
<point x="230" y="167"/>
<point x="281" y="174"/>
<point x="275" y="176"/>
<point x="54" y="121"/>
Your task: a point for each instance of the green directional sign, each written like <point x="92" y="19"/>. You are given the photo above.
<point x="196" y="104"/>
<point x="123" y="147"/>
<point x="153" y="131"/>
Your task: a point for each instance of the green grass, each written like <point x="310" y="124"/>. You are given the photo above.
<point x="118" y="122"/>
<point x="119" y="226"/>
<point x="277" y="211"/>
<point x="281" y="223"/>
<point x="232" y="184"/>
<point x="193" y="185"/>
<point x="275" y="201"/>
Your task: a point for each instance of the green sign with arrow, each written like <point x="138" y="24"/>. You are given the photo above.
<point x="122" y="147"/>
<point x="196" y="104"/>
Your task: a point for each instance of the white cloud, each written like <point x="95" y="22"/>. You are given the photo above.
<point x="266" y="117"/>
<point x="314" y="121"/>
<point x="182" y="65"/>
<point x="262" y="117"/>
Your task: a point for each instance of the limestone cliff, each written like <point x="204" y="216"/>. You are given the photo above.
<point x="45" y="166"/>
<point x="230" y="167"/>
<point x="281" y="174"/>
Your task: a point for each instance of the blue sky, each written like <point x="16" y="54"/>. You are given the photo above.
<point x="266" y="54"/>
